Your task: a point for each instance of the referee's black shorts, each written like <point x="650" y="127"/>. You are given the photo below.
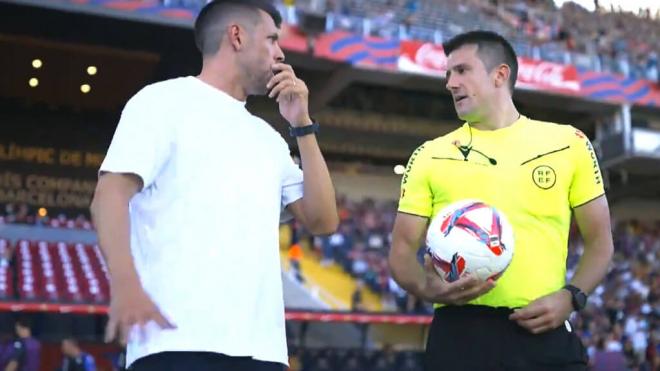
<point x="475" y="338"/>
<point x="201" y="361"/>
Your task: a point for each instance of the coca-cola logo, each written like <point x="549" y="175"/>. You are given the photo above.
<point x="431" y="56"/>
<point x="543" y="73"/>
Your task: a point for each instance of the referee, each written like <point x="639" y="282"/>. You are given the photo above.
<point x="190" y="196"/>
<point x="538" y="174"/>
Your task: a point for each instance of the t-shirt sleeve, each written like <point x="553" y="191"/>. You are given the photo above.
<point x="416" y="196"/>
<point x="587" y="182"/>
<point x="89" y="363"/>
<point x="141" y="143"/>
<point x="17" y="352"/>
<point x="292" y="184"/>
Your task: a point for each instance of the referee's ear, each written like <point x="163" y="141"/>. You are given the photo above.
<point x="502" y="75"/>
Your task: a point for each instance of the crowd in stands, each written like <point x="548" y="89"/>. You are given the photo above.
<point x="22" y="213"/>
<point x="360" y="247"/>
<point x="610" y="40"/>
<point x="623" y="42"/>
<point x="621" y="321"/>
<point x="620" y="324"/>
<point x="605" y="40"/>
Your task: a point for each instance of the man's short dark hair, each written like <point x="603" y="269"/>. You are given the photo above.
<point x="211" y="19"/>
<point x="24" y="321"/>
<point x="492" y="49"/>
<point x="71" y="339"/>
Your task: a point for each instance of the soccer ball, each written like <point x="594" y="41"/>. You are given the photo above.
<point x="470" y="236"/>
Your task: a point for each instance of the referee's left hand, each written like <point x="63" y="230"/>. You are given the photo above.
<point x="545" y="313"/>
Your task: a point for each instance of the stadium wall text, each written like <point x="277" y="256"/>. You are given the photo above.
<point x="50" y="177"/>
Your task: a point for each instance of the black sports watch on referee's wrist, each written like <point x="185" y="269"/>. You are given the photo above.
<point x="578" y="297"/>
<point x="304" y="130"/>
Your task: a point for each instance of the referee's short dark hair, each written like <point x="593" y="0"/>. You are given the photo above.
<point x="212" y="18"/>
<point x="492" y="49"/>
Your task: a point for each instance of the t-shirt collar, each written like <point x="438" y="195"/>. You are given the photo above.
<point x="220" y="93"/>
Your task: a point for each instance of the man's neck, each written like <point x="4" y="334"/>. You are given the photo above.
<point x="222" y="77"/>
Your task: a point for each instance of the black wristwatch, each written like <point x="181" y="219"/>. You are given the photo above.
<point x="304" y="130"/>
<point x="578" y="297"/>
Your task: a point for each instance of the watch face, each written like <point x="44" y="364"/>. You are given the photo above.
<point x="581" y="299"/>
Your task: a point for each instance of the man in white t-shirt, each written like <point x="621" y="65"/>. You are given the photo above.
<point x="190" y="196"/>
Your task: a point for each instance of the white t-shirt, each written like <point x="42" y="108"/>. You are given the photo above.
<point x="204" y="229"/>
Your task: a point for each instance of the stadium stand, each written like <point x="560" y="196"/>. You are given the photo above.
<point x="622" y="317"/>
<point x="60" y="272"/>
<point x="6" y="276"/>
<point x="11" y="214"/>
<point x="612" y="41"/>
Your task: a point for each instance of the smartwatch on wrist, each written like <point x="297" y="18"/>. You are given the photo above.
<point x="304" y="130"/>
<point x="578" y="297"/>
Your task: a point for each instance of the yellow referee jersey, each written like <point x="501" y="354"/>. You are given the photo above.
<point x="534" y="172"/>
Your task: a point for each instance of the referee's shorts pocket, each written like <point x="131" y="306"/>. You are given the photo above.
<point x="554" y="348"/>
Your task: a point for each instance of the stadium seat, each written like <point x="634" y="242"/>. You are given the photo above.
<point x="6" y="278"/>
<point x="61" y="272"/>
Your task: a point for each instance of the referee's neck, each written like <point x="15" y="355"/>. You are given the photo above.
<point x="499" y="117"/>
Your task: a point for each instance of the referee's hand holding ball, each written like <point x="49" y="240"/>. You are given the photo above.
<point x="461" y="291"/>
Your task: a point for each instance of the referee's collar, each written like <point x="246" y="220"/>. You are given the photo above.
<point x="501" y="131"/>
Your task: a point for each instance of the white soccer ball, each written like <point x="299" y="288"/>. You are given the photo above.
<point x="470" y="236"/>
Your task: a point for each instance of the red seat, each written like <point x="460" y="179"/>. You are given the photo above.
<point x="6" y="279"/>
<point x="26" y="258"/>
<point x="60" y="272"/>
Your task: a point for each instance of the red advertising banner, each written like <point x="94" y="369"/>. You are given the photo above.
<point x="372" y="52"/>
<point x="550" y="76"/>
<point x="424" y="58"/>
<point x="430" y="59"/>
<point x="293" y="39"/>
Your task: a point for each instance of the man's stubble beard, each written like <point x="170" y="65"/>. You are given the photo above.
<point x="256" y="79"/>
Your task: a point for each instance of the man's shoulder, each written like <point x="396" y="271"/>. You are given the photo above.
<point x="169" y="83"/>
<point x="161" y="90"/>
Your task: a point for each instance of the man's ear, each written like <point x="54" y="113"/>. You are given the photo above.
<point x="502" y="74"/>
<point x="235" y="36"/>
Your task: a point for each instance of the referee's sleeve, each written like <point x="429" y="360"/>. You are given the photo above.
<point x="416" y="196"/>
<point x="587" y="182"/>
<point x="141" y="143"/>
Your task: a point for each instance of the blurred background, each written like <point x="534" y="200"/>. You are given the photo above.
<point x="376" y="75"/>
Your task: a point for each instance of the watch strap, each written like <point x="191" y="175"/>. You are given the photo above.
<point x="575" y="292"/>
<point x="304" y="130"/>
